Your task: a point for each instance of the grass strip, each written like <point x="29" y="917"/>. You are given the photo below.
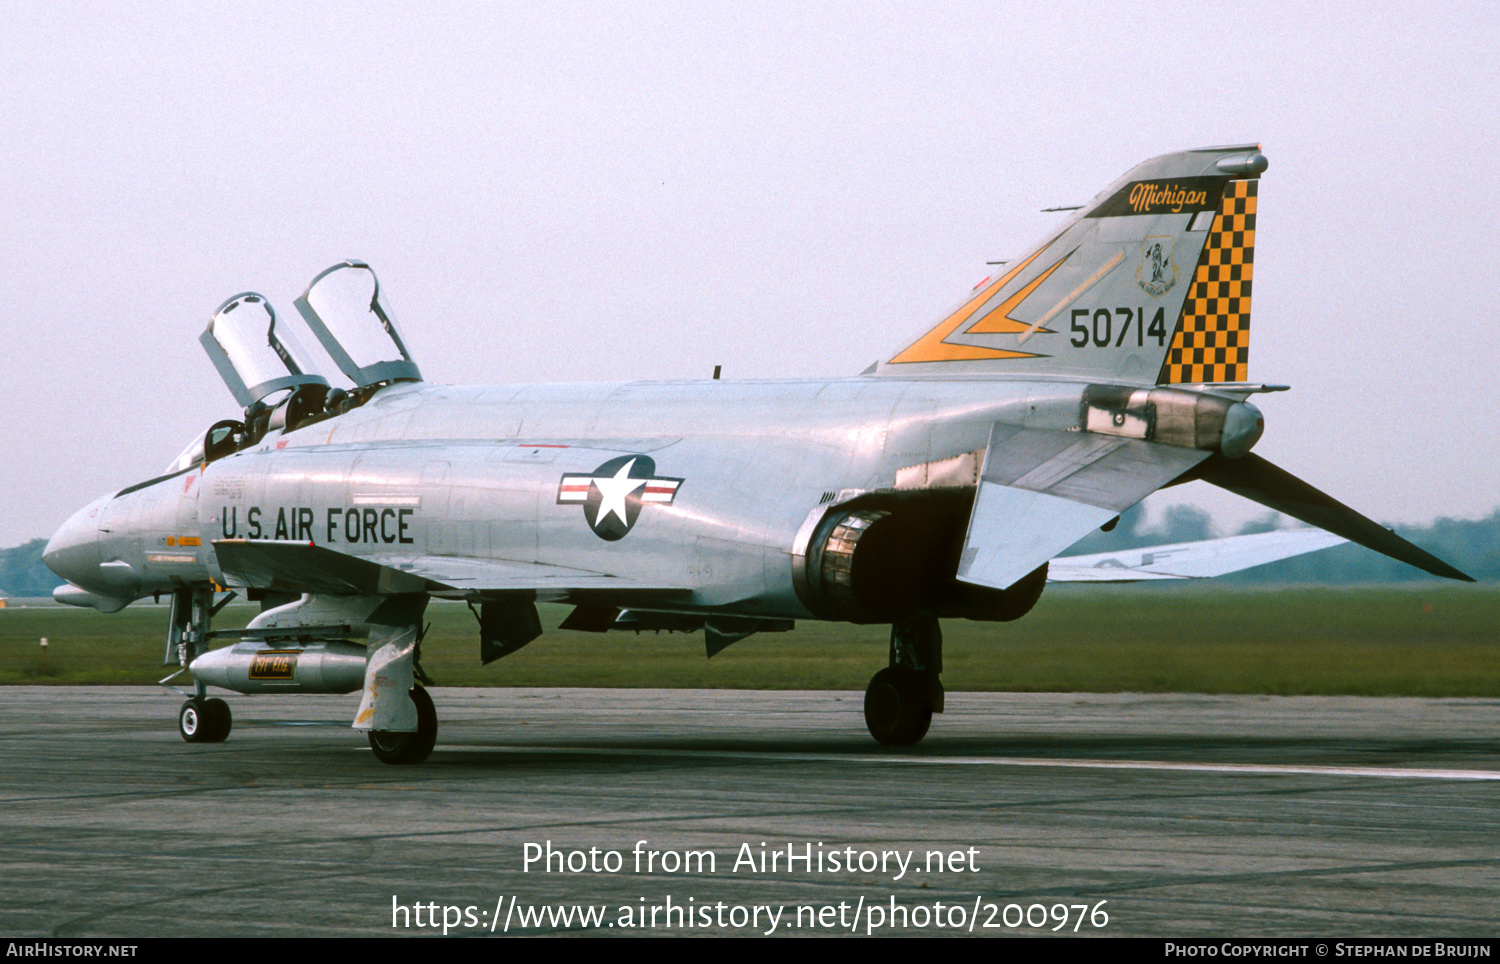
<point x="1429" y="641"/>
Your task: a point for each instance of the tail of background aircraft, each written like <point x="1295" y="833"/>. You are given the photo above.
<point x="1149" y="282"/>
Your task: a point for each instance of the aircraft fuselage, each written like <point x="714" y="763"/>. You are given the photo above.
<point x="506" y="473"/>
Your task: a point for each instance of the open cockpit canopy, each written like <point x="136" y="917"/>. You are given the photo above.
<point x="345" y="309"/>
<point x="267" y="369"/>
<point x="255" y="357"/>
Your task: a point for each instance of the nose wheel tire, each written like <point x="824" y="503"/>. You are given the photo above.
<point x="402" y="748"/>
<point x="898" y="709"/>
<point x="204" y="721"/>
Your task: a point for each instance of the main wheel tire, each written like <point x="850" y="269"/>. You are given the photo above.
<point x="897" y="709"/>
<point x="398" y="749"/>
<point x="219" y="720"/>
<point x="193" y="722"/>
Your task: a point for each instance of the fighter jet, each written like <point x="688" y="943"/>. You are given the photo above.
<point x="939" y="483"/>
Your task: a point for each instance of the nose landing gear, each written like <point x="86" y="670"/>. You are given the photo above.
<point x="201" y="719"/>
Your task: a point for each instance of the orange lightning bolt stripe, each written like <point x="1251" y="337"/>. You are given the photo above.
<point x="999" y="322"/>
<point x="933" y="346"/>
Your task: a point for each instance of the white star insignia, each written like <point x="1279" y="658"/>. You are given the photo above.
<point x="614" y="491"/>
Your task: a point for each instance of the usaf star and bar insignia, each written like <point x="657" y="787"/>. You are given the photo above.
<point x="612" y="495"/>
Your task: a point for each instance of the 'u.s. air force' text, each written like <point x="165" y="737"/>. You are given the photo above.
<point x="362" y="526"/>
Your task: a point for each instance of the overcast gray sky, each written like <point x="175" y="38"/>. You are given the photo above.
<point x="601" y="192"/>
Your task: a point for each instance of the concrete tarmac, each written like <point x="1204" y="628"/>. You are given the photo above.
<point x="673" y="811"/>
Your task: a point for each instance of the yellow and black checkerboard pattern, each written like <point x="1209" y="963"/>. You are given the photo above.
<point x="1212" y="342"/>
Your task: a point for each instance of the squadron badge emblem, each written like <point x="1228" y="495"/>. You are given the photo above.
<point x="612" y="495"/>
<point x="1157" y="272"/>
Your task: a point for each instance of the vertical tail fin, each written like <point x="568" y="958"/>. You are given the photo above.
<point x="1150" y="282"/>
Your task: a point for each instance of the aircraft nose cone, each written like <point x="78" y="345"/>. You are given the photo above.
<point x="73" y="551"/>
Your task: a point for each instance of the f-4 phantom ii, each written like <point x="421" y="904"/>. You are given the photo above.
<point x="941" y="483"/>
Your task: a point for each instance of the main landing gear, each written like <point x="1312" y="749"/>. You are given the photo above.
<point x="401" y="748"/>
<point x="901" y="699"/>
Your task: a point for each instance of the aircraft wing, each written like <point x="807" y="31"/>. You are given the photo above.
<point x="1041" y="490"/>
<point x="1191" y="560"/>
<point x="300" y="567"/>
